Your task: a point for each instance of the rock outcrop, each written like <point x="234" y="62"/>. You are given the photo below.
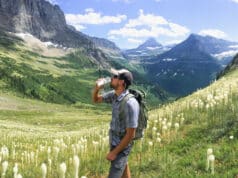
<point x="41" y="19"/>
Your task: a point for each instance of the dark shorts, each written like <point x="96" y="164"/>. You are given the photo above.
<point x="118" y="165"/>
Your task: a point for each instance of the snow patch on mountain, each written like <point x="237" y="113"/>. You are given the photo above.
<point x="225" y="54"/>
<point x="45" y="48"/>
<point x="153" y="48"/>
<point x="168" y="60"/>
<point x="234" y="46"/>
<point x="28" y="36"/>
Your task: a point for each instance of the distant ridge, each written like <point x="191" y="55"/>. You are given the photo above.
<point x="149" y="43"/>
<point x="233" y="65"/>
<point x="185" y="68"/>
<point x="146" y="50"/>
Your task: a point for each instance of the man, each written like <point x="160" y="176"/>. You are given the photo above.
<point x="122" y="130"/>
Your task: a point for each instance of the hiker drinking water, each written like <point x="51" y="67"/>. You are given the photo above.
<point x="123" y="124"/>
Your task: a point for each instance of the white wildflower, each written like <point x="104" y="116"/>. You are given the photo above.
<point x="19" y="176"/>
<point x="44" y="170"/>
<point x="76" y="166"/>
<point x="15" y="170"/>
<point x="158" y="139"/>
<point x="209" y="152"/>
<point x="176" y="125"/>
<point x="4" y="152"/>
<point x="4" y="168"/>
<point x="62" y="170"/>
<point x="211" y="159"/>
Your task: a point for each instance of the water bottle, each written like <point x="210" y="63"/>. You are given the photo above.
<point x="103" y="81"/>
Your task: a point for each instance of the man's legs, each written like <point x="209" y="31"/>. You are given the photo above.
<point x="118" y="166"/>
<point x="126" y="173"/>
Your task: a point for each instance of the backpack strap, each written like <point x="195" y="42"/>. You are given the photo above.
<point x="123" y="104"/>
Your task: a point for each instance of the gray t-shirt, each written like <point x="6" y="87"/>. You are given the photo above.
<point x="131" y="113"/>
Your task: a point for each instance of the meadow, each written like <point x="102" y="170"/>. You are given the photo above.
<point x="39" y="139"/>
<point x="195" y="136"/>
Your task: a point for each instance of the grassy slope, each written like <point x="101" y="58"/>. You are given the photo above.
<point x="179" y="154"/>
<point x="49" y="79"/>
<point x="46" y="117"/>
<point x="210" y="119"/>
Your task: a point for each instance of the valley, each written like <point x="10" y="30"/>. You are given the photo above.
<point x="49" y="126"/>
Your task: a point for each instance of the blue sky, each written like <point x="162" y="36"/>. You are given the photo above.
<point x="129" y="23"/>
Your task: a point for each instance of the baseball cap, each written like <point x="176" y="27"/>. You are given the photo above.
<point x="123" y="74"/>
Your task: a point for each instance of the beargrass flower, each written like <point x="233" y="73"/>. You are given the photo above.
<point x="176" y="125"/>
<point x="62" y="170"/>
<point x="76" y="165"/>
<point x="44" y="170"/>
<point x="209" y="152"/>
<point x="4" y="168"/>
<point x="15" y="170"/>
<point x="19" y="176"/>
<point x="211" y="159"/>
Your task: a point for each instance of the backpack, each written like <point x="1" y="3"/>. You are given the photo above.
<point x="143" y="114"/>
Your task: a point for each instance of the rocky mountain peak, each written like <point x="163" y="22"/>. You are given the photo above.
<point x="41" y="19"/>
<point x="150" y="43"/>
<point x="37" y="17"/>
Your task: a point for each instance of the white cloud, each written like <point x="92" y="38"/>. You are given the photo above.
<point x="113" y="38"/>
<point x="178" y="30"/>
<point x="222" y="55"/>
<point x="146" y="20"/>
<point x="236" y="1"/>
<point x="136" y="41"/>
<point x="150" y="25"/>
<point x="213" y="32"/>
<point x="92" y="17"/>
<point x="172" y="42"/>
<point x="52" y="1"/>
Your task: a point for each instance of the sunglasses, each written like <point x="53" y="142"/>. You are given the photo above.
<point x="115" y="76"/>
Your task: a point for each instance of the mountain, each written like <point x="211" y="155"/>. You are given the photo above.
<point x="186" y="67"/>
<point x="65" y="77"/>
<point x="150" y="43"/>
<point x="104" y="43"/>
<point x="111" y="51"/>
<point x="146" y="50"/>
<point x="47" y="23"/>
<point x="231" y="66"/>
<point x="42" y="20"/>
<point x="220" y="49"/>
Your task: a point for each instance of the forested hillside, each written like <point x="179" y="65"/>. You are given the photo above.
<point x="66" y="80"/>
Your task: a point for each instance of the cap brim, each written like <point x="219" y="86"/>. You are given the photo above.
<point x="114" y="71"/>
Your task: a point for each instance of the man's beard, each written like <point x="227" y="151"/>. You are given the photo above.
<point x="113" y="86"/>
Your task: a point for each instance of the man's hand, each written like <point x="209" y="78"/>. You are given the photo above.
<point x="95" y="96"/>
<point x="111" y="156"/>
<point x="130" y="134"/>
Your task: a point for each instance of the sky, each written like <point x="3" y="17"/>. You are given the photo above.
<point x="128" y="23"/>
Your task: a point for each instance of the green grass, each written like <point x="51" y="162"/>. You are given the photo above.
<point x="30" y="126"/>
<point x="63" y="80"/>
<point x="183" y="154"/>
